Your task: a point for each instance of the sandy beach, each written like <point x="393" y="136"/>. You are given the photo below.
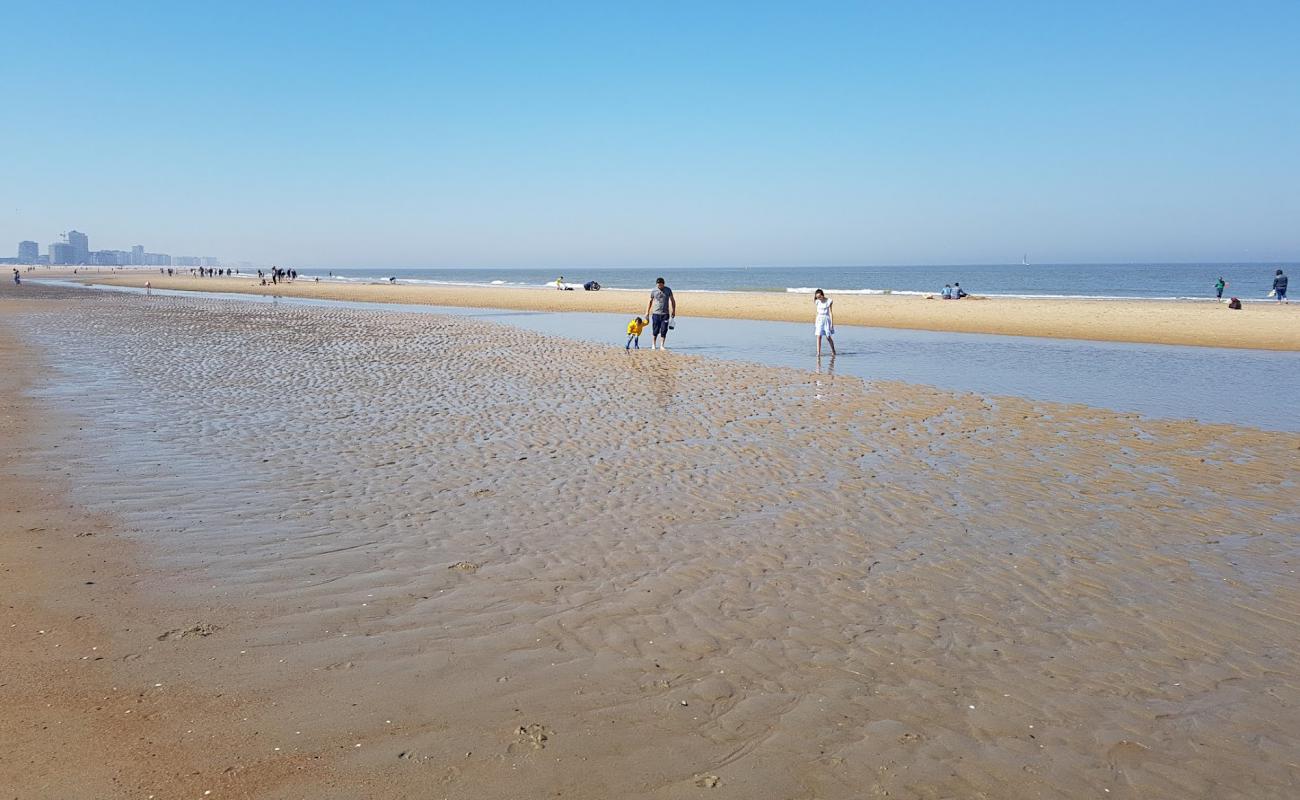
<point x="280" y="552"/>
<point x="1266" y="326"/>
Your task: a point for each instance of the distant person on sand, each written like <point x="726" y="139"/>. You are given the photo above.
<point x="18" y="279"/>
<point x="634" y="329"/>
<point x="946" y="294"/>
<point x="1219" y="286"/>
<point x="1279" y="287"/>
<point x="559" y="283"/>
<point x="661" y="310"/>
<point x="824" y="323"/>
<point x="958" y="292"/>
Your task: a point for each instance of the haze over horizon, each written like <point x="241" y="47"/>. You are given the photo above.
<point x="639" y="135"/>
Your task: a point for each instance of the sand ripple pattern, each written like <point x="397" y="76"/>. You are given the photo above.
<point x="697" y="576"/>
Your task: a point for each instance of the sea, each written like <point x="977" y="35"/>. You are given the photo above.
<point x="1132" y="281"/>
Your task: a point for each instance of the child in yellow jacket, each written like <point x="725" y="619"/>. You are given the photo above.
<point x="634" y="329"/>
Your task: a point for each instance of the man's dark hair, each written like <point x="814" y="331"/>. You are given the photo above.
<point x="661" y="280"/>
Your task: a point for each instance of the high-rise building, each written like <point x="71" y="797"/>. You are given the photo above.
<point x="61" y="254"/>
<point x="28" y="252"/>
<point x="80" y="247"/>
<point x="110" y="258"/>
<point x="137" y="255"/>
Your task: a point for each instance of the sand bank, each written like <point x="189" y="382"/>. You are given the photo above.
<point x="1259" y="325"/>
<point x="439" y="556"/>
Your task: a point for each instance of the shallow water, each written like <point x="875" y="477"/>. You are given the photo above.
<point x="1217" y="385"/>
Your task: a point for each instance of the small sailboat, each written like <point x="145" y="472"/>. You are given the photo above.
<point x="1024" y="260"/>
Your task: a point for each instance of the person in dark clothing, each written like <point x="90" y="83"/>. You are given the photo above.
<point x="1279" y="287"/>
<point x="1219" y="286"/>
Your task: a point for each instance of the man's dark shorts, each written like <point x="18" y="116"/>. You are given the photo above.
<point x="659" y="325"/>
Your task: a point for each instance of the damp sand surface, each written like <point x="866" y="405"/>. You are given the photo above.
<point x="1267" y="326"/>
<point x="335" y="553"/>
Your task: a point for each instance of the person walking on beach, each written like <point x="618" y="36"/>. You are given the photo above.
<point x="1279" y="287"/>
<point x="1219" y="286"/>
<point x="18" y="279"/>
<point x="824" y="323"/>
<point x="661" y="310"/>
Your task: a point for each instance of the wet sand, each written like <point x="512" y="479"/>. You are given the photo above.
<point x="400" y="555"/>
<point x="1266" y="326"/>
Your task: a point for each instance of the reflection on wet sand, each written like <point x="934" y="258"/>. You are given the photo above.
<point x="504" y="567"/>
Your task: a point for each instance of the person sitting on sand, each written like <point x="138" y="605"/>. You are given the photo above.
<point x="591" y="286"/>
<point x="958" y="292"/>
<point x="946" y="294"/>
<point x="634" y="329"/>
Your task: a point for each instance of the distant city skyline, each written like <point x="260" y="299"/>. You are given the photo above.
<point x="721" y="134"/>
<point x="73" y="249"/>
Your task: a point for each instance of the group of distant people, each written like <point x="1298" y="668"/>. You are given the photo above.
<point x="661" y="317"/>
<point x="589" y="286"/>
<point x="1278" y="292"/>
<point x="278" y="276"/>
<point x="209" y="272"/>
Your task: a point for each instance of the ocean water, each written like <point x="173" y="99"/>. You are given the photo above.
<point x="1140" y="281"/>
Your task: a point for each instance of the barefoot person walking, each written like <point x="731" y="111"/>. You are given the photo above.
<point x="661" y="309"/>
<point x="824" y="324"/>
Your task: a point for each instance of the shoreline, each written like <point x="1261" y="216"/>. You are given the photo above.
<point x="1139" y="321"/>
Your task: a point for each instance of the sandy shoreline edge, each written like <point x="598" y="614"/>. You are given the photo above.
<point x="1260" y="326"/>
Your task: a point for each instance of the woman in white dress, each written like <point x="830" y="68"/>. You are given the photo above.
<point x="824" y="325"/>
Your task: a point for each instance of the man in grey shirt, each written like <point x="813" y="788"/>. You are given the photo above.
<point x="661" y="309"/>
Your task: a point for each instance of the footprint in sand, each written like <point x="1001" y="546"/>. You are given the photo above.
<point x="201" y="629"/>
<point x="534" y="736"/>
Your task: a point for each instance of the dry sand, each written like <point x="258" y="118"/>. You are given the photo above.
<point x="346" y="554"/>
<point x="1266" y="326"/>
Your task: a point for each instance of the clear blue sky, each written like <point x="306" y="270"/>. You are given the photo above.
<point x="658" y="133"/>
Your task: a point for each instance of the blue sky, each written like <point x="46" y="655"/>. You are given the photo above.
<point x="673" y="134"/>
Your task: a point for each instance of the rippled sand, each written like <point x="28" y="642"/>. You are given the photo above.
<point x="434" y="557"/>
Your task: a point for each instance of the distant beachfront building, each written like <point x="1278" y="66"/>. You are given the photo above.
<point x="80" y="244"/>
<point x="137" y="255"/>
<point x="61" y="254"/>
<point x="110" y="258"/>
<point x="28" y="252"/>
<point x="186" y="261"/>
<point x="209" y="261"/>
<point x="157" y="260"/>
